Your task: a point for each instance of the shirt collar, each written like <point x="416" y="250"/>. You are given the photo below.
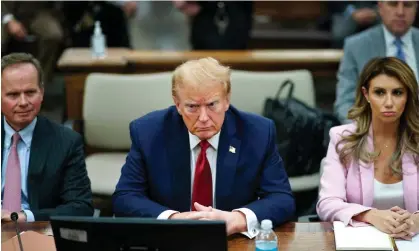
<point x="194" y="140"/>
<point x="389" y="37"/>
<point x="25" y="134"/>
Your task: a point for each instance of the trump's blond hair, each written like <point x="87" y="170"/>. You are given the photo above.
<point x="201" y="72"/>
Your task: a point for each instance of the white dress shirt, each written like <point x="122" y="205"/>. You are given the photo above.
<point x="408" y="50"/>
<point x="251" y="219"/>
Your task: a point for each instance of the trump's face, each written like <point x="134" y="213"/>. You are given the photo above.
<point x="202" y="108"/>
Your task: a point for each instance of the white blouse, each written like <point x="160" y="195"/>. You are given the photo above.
<point x="387" y="196"/>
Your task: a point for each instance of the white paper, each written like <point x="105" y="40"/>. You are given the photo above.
<point x="360" y="238"/>
<point x="413" y="245"/>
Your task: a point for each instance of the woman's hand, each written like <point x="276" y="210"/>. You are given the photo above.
<point x="403" y="230"/>
<point x="413" y="223"/>
<point x="387" y="221"/>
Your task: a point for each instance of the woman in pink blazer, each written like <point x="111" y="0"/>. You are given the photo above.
<point x="370" y="174"/>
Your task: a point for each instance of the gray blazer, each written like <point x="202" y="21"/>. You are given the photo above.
<point x="358" y="50"/>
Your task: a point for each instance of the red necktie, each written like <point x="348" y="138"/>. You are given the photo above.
<point x="202" y="186"/>
<point x="12" y="186"/>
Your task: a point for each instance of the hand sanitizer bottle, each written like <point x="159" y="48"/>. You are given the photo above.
<point x="98" y="42"/>
<point x="266" y="240"/>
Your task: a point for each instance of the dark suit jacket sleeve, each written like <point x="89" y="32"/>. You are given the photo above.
<point x="276" y="199"/>
<point x="131" y="194"/>
<point x="76" y="193"/>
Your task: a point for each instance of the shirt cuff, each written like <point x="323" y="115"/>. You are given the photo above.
<point x="29" y="216"/>
<point x="166" y="214"/>
<point x="252" y="222"/>
<point x="349" y="10"/>
<point x="6" y="18"/>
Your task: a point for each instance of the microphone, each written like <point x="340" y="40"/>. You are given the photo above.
<point x="14" y="216"/>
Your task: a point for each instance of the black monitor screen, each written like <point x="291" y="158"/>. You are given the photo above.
<point x="123" y="234"/>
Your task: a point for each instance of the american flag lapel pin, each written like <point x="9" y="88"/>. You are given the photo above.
<point x="232" y="149"/>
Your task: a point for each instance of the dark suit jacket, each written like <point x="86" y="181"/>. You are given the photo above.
<point x="204" y="33"/>
<point x="157" y="173"/>
<point x="57" y="178"/>
<point x="24" y="11"/>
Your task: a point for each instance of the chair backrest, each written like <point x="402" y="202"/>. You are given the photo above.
<point x="250" y="89"/>
<point x="112" y="101"/>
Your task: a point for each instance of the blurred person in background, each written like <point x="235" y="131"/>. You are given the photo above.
<point x="34" y="22"/>
<point x="156" y="25"/>
<point x="350" y="17"/>
<point x="394" y="37"/>
<point x="218" y="25"/>
<point x="81" y="17"/>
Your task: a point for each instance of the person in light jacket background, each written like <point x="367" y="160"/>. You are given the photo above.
<point x="395" y="37"/>
<point x="370" y="174"/>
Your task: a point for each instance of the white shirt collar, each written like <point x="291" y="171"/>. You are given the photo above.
<point x="389" y="37"/>
<point x="25" y="134"/>
<point x="194" y="140"/>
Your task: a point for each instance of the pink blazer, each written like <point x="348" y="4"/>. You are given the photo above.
<point x="346" y="192"/>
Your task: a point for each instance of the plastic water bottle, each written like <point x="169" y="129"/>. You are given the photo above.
<point x="98" y="42"/>
<point x="266" y="240"/>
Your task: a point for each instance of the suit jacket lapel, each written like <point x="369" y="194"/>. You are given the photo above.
<point x="410" y="183"/>
<point x="378" y="43"/>
<point x="410" y="179"/>
<point x="40" y="148"/>
<point x="2" y="142"/>
<point x="415" y="38"/>
<point x="227" y="157"/>
<point x="367" y="174"/>
<point x="179" y="157"/>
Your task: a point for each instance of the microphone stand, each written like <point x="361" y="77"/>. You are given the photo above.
<point x="14" y="216"/>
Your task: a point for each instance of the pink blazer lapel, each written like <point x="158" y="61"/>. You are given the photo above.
<point x="410" y="179"/>
<point x="367" y="174"/>
<point x="410" y="183"/>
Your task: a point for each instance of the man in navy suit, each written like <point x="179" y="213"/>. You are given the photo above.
<point x="238" y="177"/>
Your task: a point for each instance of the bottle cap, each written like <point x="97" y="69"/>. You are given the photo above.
<point x="266" y="224"/>
<point x="98" y="29"/>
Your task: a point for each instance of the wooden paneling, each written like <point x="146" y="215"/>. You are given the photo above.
<point x="76" y="64"/>
<point x="290" y="10"/>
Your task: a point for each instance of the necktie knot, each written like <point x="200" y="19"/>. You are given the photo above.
<point x="398" y="42"/>
<point x="15" y="139"/>
<point x="204" y="145"/>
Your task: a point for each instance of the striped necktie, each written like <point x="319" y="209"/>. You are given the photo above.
<point x="399" y="45"/>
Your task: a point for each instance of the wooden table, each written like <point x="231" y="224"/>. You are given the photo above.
<point x="292" y="236"/>
<point x="77" y="64"/>
<point x="8" y="230"/>
<point x="319" y="61"/>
